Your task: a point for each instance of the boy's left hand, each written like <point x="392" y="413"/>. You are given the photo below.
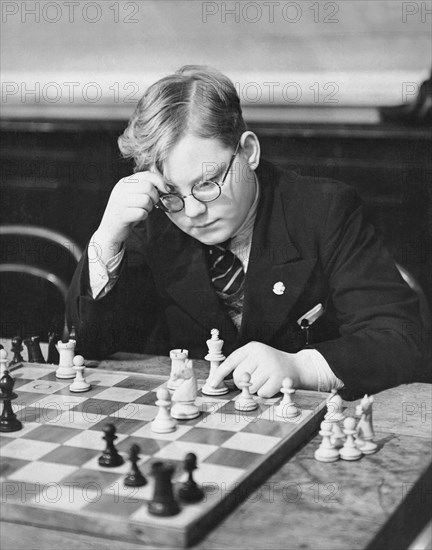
<point x="266" y="365"/>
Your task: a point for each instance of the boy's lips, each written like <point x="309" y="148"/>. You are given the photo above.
<point x="205" y="225"/>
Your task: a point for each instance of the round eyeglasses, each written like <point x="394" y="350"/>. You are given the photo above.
<point x="203" y="191"/>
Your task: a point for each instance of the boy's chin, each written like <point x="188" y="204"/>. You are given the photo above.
<point x="215" y="238"/>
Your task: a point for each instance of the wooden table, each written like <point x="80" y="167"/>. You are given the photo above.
<point x="382" y="501"/>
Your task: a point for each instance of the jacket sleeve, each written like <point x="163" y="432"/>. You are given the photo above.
<point x="123" y="319"/>
<point x="380" y="343"/>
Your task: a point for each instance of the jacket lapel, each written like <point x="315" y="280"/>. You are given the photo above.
<point x="274" y="258"/>
<point x="187" y="280"/>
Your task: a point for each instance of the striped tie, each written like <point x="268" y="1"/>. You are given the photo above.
<point x="226" y="270"/>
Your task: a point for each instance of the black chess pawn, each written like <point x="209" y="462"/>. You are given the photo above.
<point x="34" y="350"/>
<point x="110" y="457"/>
<point x="190" y="491"/>
<point x="134" y="478"/>
<point x="163" y="502"/>
<point x="53" y="354"/>
<point x="16" y="349"/>
<point x="8" y="419"/>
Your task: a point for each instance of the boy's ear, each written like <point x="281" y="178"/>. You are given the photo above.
<point x="251" y="146"/>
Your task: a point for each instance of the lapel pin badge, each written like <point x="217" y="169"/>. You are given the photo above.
<point x="279" y="288"/>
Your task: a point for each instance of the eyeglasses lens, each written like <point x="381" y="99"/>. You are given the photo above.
<point x="172" y="203"/>
<point x="206" y="191"/>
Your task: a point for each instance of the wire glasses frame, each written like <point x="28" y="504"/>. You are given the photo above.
<point x="203" y="191"/>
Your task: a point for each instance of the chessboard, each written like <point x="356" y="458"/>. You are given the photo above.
<point x="51" y="476"/>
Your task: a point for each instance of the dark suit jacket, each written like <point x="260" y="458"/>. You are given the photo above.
<point x="309" y="234"/>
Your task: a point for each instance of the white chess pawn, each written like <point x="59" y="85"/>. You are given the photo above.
<point x="163" y="423"/>
<point x="79" y="384"/>
<point x="178" y="360"/>
<point x="215" y="356"/>
<point x="326" y="452"/>
<point x="287" y="408"/>
<point x="3" y="361"/>
<point x="365" y="431"/>
<point x="334" y="415"/>
<point x="66" y="354"/>
<point x="337" y="437"/>
<point x="245" y="401"/>
<point x="350" y="451"/>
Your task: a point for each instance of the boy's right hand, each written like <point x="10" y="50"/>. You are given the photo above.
<point x="131" y="201"/>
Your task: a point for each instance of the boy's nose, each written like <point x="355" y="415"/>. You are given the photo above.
<point x="193" y="207"/>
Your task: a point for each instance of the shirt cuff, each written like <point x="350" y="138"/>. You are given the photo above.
<point x="327" y="380"/>
<point x="102" y="277"/>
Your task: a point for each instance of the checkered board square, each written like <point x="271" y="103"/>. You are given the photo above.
<point x="51" y="477"/>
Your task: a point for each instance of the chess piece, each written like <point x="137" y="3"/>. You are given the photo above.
<point x="8" y="420"/>
<point x="215" y="356"/>
<point x="53" y="354"/>
<point x="189" y="490"/>
<point x="349" y="451"/>
<point x="365" y="431"/>
<point x="3" y="361"/>
<point x="110" y="457"/>
<point x="287" y="408"/>
<point x="335" y="415"/>
<point x="66" y="355"/>
<point x="163" y="423"/>
<point x="245" y="401"/>
<point x="16" y="349"/>
<point x="163" y="502"/>
<point x="79" y="384"/>
<point x="183" y="399"/>
<point x="178" y="360"/>
<point x="134" y="478"/>
<point x="33" y="349"/>
<point x="326" y="452"/>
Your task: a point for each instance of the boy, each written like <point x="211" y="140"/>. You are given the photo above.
<point x="207" y="235"/>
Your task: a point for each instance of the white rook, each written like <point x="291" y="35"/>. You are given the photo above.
<point x="66" y="352"/>
<point x="178" y="360"/>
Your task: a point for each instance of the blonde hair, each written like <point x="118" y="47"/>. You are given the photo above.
<point x="197" y="100"/>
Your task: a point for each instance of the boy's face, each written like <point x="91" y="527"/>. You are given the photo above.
<point x="195" y="159"/>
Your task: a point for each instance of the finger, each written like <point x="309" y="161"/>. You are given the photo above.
<point x="149" y="179"/>
<point x="230" y="363"/>
<point x="258" y="379"/>
<point x="270" y="388"/>
<point x="157" y="180"/>
<point x="135" y="215"/>
<point x="136" y="200"/>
